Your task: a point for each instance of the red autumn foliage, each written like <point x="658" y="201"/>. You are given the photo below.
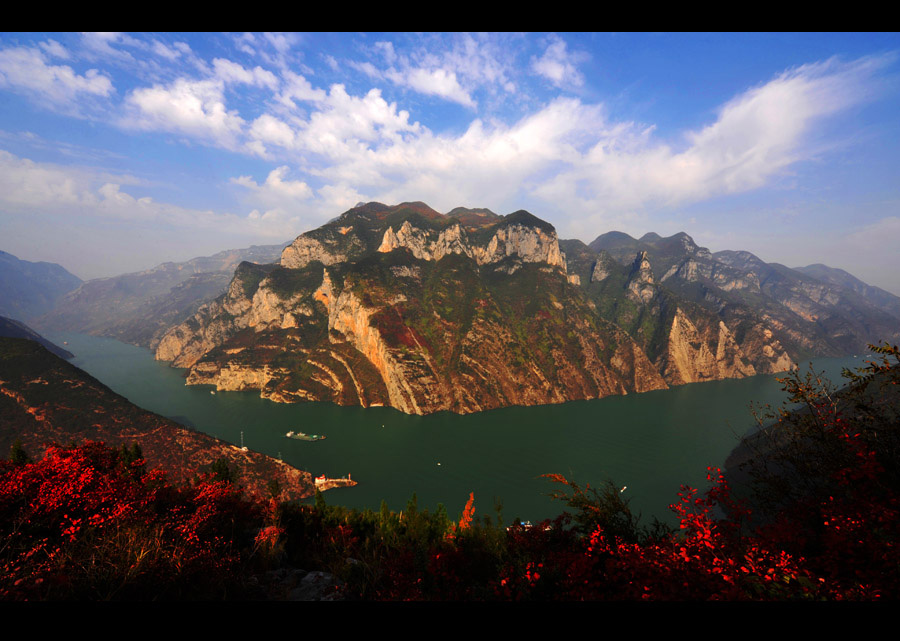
<point x="80" y="523"/>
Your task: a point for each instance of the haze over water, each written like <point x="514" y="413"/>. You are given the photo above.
<point x="651" y="442"/>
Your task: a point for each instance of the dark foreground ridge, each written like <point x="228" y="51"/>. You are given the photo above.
<point x="45" y="400"/>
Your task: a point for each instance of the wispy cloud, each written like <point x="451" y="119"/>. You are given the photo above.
<point x="559" y="65"/>
<point x="452" y="70"/>
<point x="29" y="188"/>
<point x="28" y="70"/>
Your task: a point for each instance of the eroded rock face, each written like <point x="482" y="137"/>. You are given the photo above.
<point x="348" y="316"/>
<point x="412" y="376"/>
<point x="599" y="272"/>
<point x="328" y="251"/>
<point x="693" y="270"/>
<point x="186" y="343"/>
<point x="696" y="354"/>
<point x="523" y="242"/>
<point x="640" y="283"/>
<point x="423" y="244"/>
<point x="527" y="243"/>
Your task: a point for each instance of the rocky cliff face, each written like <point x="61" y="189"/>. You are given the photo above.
<point x="405" y="307"/>
<point x="523" y="241"/>
<point x="687" y="342"/>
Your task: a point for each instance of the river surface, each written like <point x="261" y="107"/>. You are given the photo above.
<point x="651" y="442"/>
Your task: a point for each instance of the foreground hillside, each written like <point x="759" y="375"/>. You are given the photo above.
<point x="10" y="328"/>
<point x="468" y="311"/>
<point x="45" y="400"/>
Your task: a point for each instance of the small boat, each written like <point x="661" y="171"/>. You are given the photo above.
<point x="213" y="392"/>
<point x="300" y="436"/>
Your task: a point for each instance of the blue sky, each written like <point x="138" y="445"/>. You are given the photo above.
<point x="121" y="151"/>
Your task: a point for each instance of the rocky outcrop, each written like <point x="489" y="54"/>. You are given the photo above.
<point x="599" y="272"/>
<point x="527" y="243"/>
<point x="352" y="337"/>
<point x="186" y="343"/>
<point x="640" y="282"/>
<point x="326" y="250"/>
<point x="524" y="242"/>
<point x="693" y="270"/>
<point x="423" y="244"/>
<point x="692" y="358"/>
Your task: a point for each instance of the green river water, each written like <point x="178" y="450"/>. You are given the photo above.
<point x="651" y="443"/>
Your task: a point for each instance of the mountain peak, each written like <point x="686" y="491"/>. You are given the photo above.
<point x="522" y="217"/>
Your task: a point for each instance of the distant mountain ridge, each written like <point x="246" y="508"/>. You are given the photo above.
<point x="875" y="295"/>
<point x="29" y="289"/>
<point x="137" y="307"/>
<point x="814" y="314"/>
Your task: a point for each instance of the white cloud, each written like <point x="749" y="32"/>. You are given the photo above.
<point x="285" y="202"/>
<point x="99" y="44"/>
<point x="342" y="126"/>
<point x="24" y="183"/>
<point x="170" y="53"/>
<point x="276" y="191"/>
<point x="568" y="154"/>
<point x="452" y="71"/>
<point x="482" y="60"/>
<point x="439" y="82"/>
<point x="270" y="130"/>
<point x="195" y="108"/>
<point x="369" y="69"/>
<point x="387" y="50"/>
<point x="274" y="48"/>
<point x="282" y="42"/>
<point x="558" y="65"/>
<point x="33" y="189"/>
<point x="296" y="87"/>
<point x="756" y="135"/>
<point x="53" y="48"/>
<point x="229" y="71"/>
<point x="486" y="164"/>
<point x="571" y="157"/>
<point x="26" y="70"/>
